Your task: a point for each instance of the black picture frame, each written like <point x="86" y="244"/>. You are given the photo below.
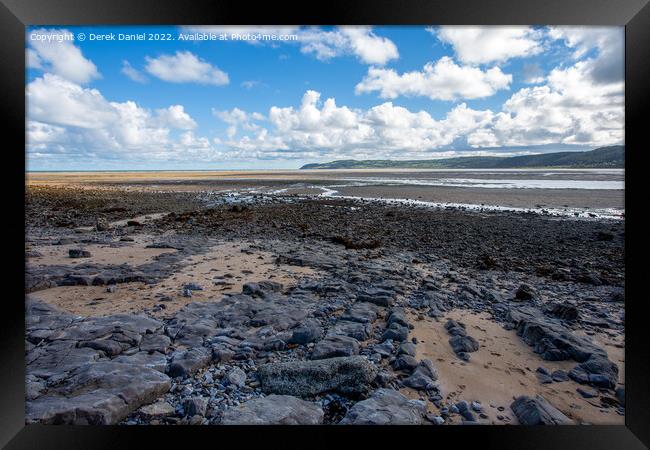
<point x="16" y="14"/>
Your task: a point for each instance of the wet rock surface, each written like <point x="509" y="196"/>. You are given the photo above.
<point x="333" y="349"/>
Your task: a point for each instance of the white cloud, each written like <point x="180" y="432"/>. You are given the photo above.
<point x="185" y="67"/>
<point x="132" y="72"/>
<point x="60" y="57"/>
<point x="487" y="44"/>
<point x="64" y="117"/>
<point x="571" y="109"/>
<point x="176" y="117"/>
<point x="607" y="66"/>
<point x="317" y="129"/>
<point x="444" y="80"/>
<point x="359" y="41"/>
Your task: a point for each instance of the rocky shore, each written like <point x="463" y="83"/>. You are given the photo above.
<point x="185" y="308"/>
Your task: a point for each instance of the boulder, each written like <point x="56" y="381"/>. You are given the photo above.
<point x="274" y="410"/>
<point x="386" y="407"/>
<point x="346" y="375"/>
<point x="537" y="411"/>
<point x="423" y="377"/>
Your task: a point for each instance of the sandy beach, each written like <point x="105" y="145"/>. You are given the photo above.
<point x="194" y="286"/>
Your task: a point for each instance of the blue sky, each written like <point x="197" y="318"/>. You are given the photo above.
<point x="321" y="94"/>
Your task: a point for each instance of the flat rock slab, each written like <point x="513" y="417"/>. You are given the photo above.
<point x="335" y="346"/>
<point x="386" y="407"/>
<point x="537" y="411"/>
<point x="346" y="375"/>
<point x="274" y="410"/>
<point x="101" y="393"/>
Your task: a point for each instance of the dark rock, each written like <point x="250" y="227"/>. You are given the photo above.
<point x="463" y="344"/>
<point x="552" y="341"/>
<point x="525" y="292"/>
<point x="78" y="253"/>
<point x="347" y="375"/>
<point x="396" y="332"/>
<point x="193" y="287"/>
<point x="564" y="311"/>
<point x="386" y="407"/>
<point x="597" y="371"/>
<point x="363" y="312"/>
<point x="379" y="297"/>
<point x="195" y="405"/>
<point x="423" y="377"/>
<point x="587" y="392"/>
<point x="274" y="410"/>
<point x="188" y="362"/>
<point x="236" y="377"/>
<point x="559" y="376"/>
<point x="620" y="396"/>
<point x="309" y="331"/>
<point x="101" y="393"/>
<point x="356" y="330"/>
<point x="406" y="348"/>
<point x="333" y="346"/>
<point x="537" y="411"/>
<point x="406" y="363"/>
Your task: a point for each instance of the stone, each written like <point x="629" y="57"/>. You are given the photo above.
<point x="99" y="393"/>
<point x="620" y="395"/>
<point x="362" y="312"/>
<point x="359" y="331"/>
<point x="333" y="346"/>
<point x="101" y="224"/>
<point x="78" y="253"/>
<point x="195" y="406"/>
<point x="193" y="287"/>
<point x="597" y="371"/>
<point x="560" y="375"/>
<point x="379" y="297"/>
<point x="525" y="292"/>
<point x="455" y="328"/>
<point x="463" y="344"/>
<point x="537" y="411"/>
<point x="396" y="332"/>
<point x="188" y="362"/>
<point x="261" y="289"/>
<point x="156" y="410"/>
<point x="406" y="348"/>
<point x="564" y="311"/>
<point x="236" y="377"/>
<point x="309" y="331"/>
<point x="587" y="392"/>
<point x="274" y="410"/>
<point x="406" y="363"/>
<point x="345" y="375"/>
<point x="386" y="407"/>
<point x="423" y="377"/>
<point x="551" y="340"/>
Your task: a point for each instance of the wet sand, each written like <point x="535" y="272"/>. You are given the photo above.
<point x="502" y="369"/>
<point x="517" y="198"/>
<point x="221" y="270"/>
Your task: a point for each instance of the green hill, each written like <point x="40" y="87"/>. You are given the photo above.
<point x="604" y="157"/>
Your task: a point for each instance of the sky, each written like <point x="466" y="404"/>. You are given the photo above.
<point x="216" y="97"/>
